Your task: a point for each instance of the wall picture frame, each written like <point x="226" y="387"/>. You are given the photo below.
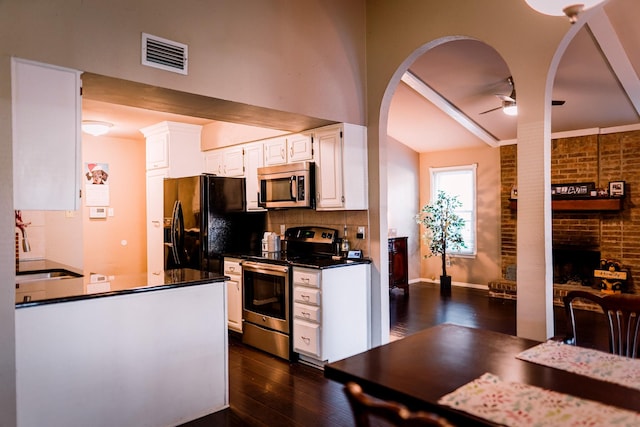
<point x="616" y="188"/>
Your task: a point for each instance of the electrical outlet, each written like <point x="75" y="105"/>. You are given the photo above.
<point x="360" y="233"/>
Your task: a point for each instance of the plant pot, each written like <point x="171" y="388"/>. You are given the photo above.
<point x="445" y="284"/>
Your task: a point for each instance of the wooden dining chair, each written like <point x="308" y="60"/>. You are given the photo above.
<point x="366" y="409"/>
<point x="621" y="312"/>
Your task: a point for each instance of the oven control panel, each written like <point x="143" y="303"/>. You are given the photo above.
<point x="311" y="235"/>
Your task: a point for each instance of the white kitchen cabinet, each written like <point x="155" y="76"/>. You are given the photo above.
<point x="225" y="161"/>
<point x="233" y="269"/>
<point x="174" y="146"/>
<point x="299" y="147"/>
<point x="341" y="167"/>
<point x="253" y="160"/>
<point x="330" y="312"/>
<point x="275" y="151"/>
<point x="288" y="149"/>
<point x="155" y="218"/>
<point x="46" y="109"/>
<point x="155" y="342"/>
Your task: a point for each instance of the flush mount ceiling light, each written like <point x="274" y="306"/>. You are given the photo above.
<point x="95" y="128"/>
<point x="509" y="108"/>
<point x="559" y="8"/>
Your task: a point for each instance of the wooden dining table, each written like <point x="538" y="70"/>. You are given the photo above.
<point x="421" y="368"/>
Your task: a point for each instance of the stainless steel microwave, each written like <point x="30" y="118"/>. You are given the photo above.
<point x="287" y="186"/>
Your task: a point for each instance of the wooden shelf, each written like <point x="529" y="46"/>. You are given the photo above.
<point x="575" y="205"/>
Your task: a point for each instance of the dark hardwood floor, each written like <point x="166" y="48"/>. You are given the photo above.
<point x="268" y="391"/>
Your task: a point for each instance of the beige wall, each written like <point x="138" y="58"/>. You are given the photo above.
<point x="224" y="134"/>
<point x="400" y="31"/>
<point x="306" y="57"/>
<point x="117" y="244"/>
<point x="485" y="266"/>
<point x="403" y="202"/>
<point x="299" y="56"/>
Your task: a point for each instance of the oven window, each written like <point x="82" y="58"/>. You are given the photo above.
<point x="277" y="189"/>
<point x="265" y="294"/>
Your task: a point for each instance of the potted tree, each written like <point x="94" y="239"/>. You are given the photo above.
<point x="443" y="230"/>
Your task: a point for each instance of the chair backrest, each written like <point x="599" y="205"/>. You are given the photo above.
<point x="621" y="311"/>
<point x="366" y="408"/>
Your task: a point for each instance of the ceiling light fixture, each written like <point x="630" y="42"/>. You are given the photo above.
<point x="95" y="128"/>
<point x="568" y="8"/>
<point x="509" y="108"/>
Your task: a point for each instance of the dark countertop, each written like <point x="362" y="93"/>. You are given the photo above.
<point x="40" y="292"/>
<point x="317" y="262"/>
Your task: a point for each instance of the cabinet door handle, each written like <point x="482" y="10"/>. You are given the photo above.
<point x="291" y="152"/>
<point x="304" y="279"/>
<point x="305" y="297"/>
<point x="306" y="315"/>
<point x="155" y="223"/>
<point x="282" y="153"/>
<point x="306" y="340"/>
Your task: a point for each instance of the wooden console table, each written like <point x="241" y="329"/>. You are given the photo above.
<point x="398" y="264"/>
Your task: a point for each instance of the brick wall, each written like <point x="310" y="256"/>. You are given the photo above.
<point x="591" y="158"/>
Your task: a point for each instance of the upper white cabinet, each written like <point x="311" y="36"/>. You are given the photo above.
<point x="341" y="167"/>
<point x="46" y="108"/>
<point x="175" y="146"/>
<point x="288" y="149"/>
<point x="253" y="160"/>
<point x="225" y="161"/>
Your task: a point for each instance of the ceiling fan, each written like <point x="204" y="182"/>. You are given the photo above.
<point x="509" y="106"/>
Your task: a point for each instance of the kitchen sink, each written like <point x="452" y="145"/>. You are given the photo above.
<point x="54" y="274"/>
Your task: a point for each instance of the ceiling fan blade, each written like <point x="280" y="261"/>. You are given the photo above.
<point x="557" y="102"/>
<point x="493" y="109"/>
<point x="506" y="98"/>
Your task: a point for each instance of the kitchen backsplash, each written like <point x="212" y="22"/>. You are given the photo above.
<point x="332" y="219"/>
<point x="35" y="234"/>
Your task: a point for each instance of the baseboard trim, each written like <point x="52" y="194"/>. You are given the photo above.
<point x="459" y="284"/>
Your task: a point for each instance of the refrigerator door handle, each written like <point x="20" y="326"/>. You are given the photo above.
<point x="177" y="233"/>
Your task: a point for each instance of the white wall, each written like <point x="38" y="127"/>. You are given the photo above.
<point x="403" y="199"/>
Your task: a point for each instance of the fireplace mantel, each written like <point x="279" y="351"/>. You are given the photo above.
<point x="591" y="204"/>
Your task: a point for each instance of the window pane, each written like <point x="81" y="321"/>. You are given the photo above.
<point x="459" y="181"/>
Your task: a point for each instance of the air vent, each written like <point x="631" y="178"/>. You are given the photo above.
<point x="164" y="54"/>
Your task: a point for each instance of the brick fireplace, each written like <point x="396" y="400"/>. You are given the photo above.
<point x="575" y="265"/>
<point x="580" y="237"/>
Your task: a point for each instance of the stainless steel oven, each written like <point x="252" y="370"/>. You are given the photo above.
<point x="266" y="307"/>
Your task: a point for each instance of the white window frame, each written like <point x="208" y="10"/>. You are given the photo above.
<point x="472" y="248"/>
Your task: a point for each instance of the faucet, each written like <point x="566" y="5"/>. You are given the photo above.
<point x="26" y="247"/>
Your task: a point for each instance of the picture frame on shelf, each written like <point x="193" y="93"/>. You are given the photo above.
<point x="616" y="188"/>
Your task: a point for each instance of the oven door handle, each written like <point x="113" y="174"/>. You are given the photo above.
<point x="259" y="267"/>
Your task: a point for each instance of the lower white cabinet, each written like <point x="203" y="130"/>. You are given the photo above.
<point x="233" y="269"/>
<point x="330" y="312"/>
<point x="155" y="222"/>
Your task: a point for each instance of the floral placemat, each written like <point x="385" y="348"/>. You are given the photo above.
<point x="584" y="361"/>
<point x="517" y="405"/>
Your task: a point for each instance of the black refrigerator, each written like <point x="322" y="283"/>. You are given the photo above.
<point x="205" y="218"/>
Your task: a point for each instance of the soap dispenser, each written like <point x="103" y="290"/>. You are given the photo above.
<point x="344" y="246"/>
